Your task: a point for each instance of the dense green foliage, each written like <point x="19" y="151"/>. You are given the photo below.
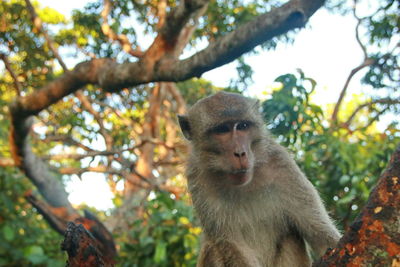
<point x="25" y="237"/>
<point x="342" y="164"/>
<point x="166" y="235"/>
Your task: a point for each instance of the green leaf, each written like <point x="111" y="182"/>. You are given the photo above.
<point x="35" y="254"/>
<point x="344" y="180"/>
<point x="8" y="233"/>
<point x="161" y="252"/>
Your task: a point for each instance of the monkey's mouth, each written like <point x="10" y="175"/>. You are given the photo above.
<point x="240" y="177"/>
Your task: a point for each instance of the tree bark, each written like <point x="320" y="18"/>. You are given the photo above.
<point x="82" y="249"/>
<point x="373" y="239"/>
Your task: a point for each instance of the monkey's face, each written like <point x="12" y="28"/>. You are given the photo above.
<point x="223" y="129"/>
<point x="228" y="151"/>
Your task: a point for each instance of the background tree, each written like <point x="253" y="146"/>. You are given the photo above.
<point x="114" y="114"/>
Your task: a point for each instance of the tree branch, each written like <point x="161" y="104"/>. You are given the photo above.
<point x="83" y="249"/>
<point x="385" y="101"/>
<point x="373" y="237"/>
<point x="18" y="86"/>
<point x="291" y="15"/>
<point x="66" y="139"/>
<point x="122" y="39"/>
<point x="37" y="22"/>
<point x="367" y="62"/>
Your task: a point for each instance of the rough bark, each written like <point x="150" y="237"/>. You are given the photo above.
<point x="374" y="237"/>
<point x="82" y="249"/>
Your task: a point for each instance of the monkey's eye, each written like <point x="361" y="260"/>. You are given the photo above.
<point x="244" y="125"/>
<point x="221" y="129"/>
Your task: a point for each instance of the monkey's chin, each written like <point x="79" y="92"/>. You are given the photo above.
<point x="241" y="178"/>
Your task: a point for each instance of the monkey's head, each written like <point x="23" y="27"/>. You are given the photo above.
<point x="224" y="130"/>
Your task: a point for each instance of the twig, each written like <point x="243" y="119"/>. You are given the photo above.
<point x="121" y="38"/>
<point x="17" y="84"/>
<point x="386" y="101"/>
<point x="37" y="22"/>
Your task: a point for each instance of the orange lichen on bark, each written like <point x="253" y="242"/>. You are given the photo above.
<point x="374" y="238"/>
<point x="14" y="148"/>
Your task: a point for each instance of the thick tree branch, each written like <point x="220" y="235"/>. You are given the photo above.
<point x="279" y="20"/>
<point x="84" y="250"/>
<point x="373" y="238"/>
<point x="113" y="76"/>
<point x="84" y="73"/>
<point x="178" y="17"/>
<point x="36" y="170"/>
<point x="172" y="25"/>
<point x="290" y="16"/>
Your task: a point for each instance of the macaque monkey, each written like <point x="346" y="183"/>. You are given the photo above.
<point x="255" y="205"/>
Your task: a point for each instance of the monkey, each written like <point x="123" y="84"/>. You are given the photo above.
<point x="255" y="205"/>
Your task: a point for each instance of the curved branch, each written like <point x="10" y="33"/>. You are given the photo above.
<point x="385" y="101"/>
<point x="359" y="21"/>
<point x="291" y="15"/>
<point x="112" y="76"/>
<point x="367" y="62"/>
<point x="279" y="20"/>
<point x="17" y="84"/>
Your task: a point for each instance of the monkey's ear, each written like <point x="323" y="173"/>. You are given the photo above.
<point x="185" y="126"/>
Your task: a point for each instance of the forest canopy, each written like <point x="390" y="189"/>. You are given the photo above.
<point x="96" y="94"/>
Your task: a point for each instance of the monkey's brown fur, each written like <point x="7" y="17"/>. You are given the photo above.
<point x="255" y="205"/>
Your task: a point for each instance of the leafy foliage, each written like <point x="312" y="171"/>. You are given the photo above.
<point x="25" y="237"/>
<point x="343" y="165"/>
<point x="166" y="235"/>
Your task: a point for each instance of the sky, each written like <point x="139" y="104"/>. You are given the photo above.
<point x="325" y="50"/>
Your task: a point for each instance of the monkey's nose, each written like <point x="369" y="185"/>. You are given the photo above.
<point x="239" y="154"/>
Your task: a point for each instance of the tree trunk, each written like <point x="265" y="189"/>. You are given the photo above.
<point x="373" y="239"/>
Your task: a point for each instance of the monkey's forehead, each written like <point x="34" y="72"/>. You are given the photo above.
<point x="211" y="116"/>
<point x="224" y="104"/>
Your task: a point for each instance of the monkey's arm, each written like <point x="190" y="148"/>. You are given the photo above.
<point x="307" y="213"/>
